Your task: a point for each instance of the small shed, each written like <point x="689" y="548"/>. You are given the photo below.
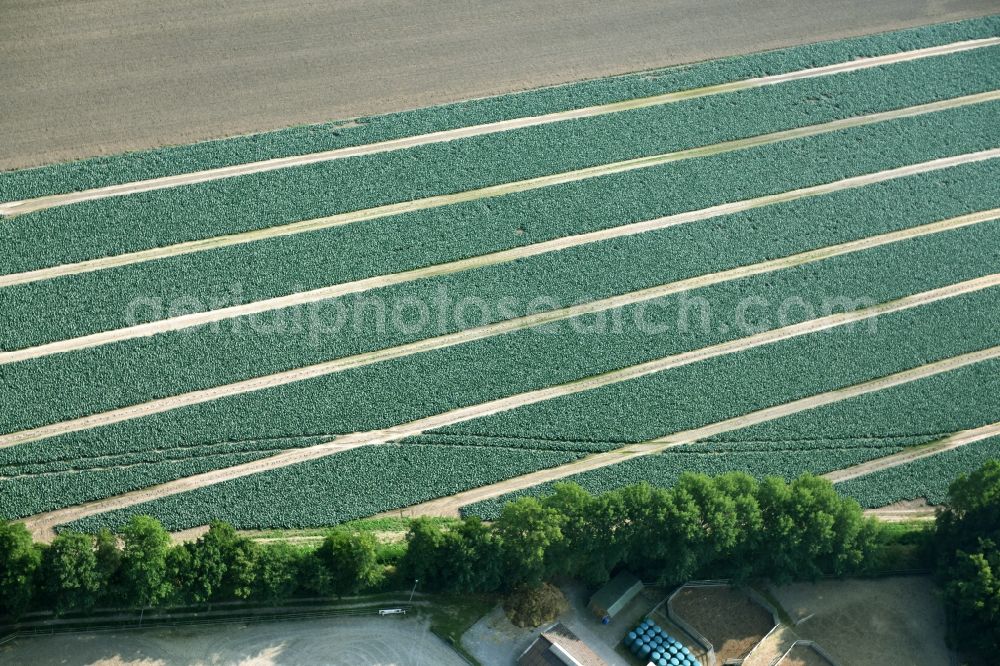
<point x="615" y="595"/>
<point x="558" y="646"/>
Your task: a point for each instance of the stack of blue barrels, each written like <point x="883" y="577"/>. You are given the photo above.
<point x="654" y="646"/>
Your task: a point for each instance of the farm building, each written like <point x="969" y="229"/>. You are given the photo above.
<point x="615" y="595"/>
<point x="558" y="646"/>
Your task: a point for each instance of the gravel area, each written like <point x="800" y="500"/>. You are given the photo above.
<point x="384" y="641"/>
<point x="870" y="622"/>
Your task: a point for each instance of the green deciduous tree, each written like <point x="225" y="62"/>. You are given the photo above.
<point x="219" y="565"/>
<point x="144" y="562"/>
<point x="527" y="530"/>
<point x="279" y="567"/>
<point x="424" y="541"/>
<point x="19" y="562"/>
<point x="968" y="560"/>
<point x="71" y="574"/>
<point x="350" y="559"/>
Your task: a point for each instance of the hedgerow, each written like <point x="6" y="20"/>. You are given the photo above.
<point x="342" y="487"/>
<point x="91" y="302"/>
<point x="818" y="440"/>
<point x="104" y="227"/>
<point x="664" y="469"/>
<point x="636" y="410"/>
<point x="117" y="169"/>
<point x="926" y="478"/>
<point x="64" y="386"/>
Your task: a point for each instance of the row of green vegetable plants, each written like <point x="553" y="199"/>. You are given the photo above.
<point x="106" y="300"/>
<point x="64" y="386"/>
<point x="35" y="494"/>
<point x="111" y="170"/>
<point x="163" y="453"/>
<point x="727" y="386"/>
<point x="339" y="488"/>
<point x="104" y="227"/>
<point x="927" y="478"/>
<point x="818" y="440"/>
<point x="636" y="410"/>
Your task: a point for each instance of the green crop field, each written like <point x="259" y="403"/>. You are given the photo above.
<point x="794" y="273"/>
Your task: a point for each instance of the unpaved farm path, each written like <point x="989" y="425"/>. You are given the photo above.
<point x="42" y="525"/>
<point x="51" y="201"/>
<point x="437" y="201"/>
<point x="539" y="319"/>
<point x="505" y="256"/>
<point x="449" y="506"/>
<point x="953" y="441"/>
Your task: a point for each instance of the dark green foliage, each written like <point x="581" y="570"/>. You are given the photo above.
<point x="532" y="606"/>
<point x="278" y="568"/>
<point x="72" y="575"/>
<point x="220" y="565"/>
<point x="350" y="559"/>
<point x="144" y="563"/>
<point x="730" y="526"/>
<point x="968" y="561"/>
<point x="19" y="562"/>
<point x="527" y="530"/>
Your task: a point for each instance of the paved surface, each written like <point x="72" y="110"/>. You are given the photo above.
<point x="334" y="641"/>
<point x="494" y="641"/>
<point x="100" y="77"/>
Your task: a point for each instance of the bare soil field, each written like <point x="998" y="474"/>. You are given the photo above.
<point x="870" y="622"/>
<point x="102" y="77"/>
<point x="335" y="641"/>
<point x="727" y="617"/>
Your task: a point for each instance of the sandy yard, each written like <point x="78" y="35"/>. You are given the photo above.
<point x="390" y="641"/>
<point x="870" y="622"/>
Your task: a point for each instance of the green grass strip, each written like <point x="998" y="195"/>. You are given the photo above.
<point x="107" y="227"/>
<point x="143" y="165"/>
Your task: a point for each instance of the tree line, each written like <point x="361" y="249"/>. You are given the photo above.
<point x="730" y="526"/>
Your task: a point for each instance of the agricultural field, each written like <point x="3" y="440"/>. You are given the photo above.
<point x="778" y="263"/>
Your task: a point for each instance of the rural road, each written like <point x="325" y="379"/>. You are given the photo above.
<point x="101" y="77"/>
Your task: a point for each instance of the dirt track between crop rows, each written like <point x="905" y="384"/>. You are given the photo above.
<point x="43" y="524"/>
<point x="505" y="256"/>
<point x="449" y="506"/>
<point x="915" y="453"/>
<point x="325" y="368"/>
<point x="51" y="201"/>
<point x="437" y="201"/>
<point x="103" y="77"/>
